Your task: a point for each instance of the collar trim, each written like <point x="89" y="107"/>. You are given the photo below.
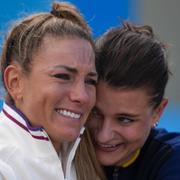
<point x="19" y="120"/>
<point x="132" y="160"/>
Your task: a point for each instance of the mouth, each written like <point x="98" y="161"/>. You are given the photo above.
<point x="108" y="147"/>
<point x="68" y="113"/>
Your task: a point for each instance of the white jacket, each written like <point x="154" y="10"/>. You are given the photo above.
<point x="26" y="153"/>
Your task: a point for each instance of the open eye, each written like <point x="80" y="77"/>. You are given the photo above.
<point x="125" y="120"/>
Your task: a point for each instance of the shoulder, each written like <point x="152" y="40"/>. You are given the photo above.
<point x="6" y="171"/>
<point x="171" y="139"/>
<point x="170" y="170"/>
<point x="8" y="152"/>
<point x="161" y="145"/>
<point x="162" y="154"/>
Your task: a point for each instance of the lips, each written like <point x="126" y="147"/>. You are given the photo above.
<point x="108" y="147"/>
<point x="68" y="113"/>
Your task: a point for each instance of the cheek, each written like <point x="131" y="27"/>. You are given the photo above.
<point x="136" y="134"/>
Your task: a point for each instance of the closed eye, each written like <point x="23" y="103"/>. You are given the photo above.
<point x="95" y="114"/>
<point x="63" y="76"/>
<point x="91" y="82"/>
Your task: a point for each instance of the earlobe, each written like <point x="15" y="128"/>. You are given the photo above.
<point x="12" y="80"/>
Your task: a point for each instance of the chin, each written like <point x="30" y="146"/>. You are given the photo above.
<point x="72" y="137"/>
<point x="106" y="162"/>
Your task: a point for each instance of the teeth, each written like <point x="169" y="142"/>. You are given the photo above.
<point x="69" y="114"/>
<point x="107" y="146"/>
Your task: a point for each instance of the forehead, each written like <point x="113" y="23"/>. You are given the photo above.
<point x="111" y="99"/>
<point x="66" y="51"/>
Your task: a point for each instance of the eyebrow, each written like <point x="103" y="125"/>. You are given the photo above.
<point x="74" y="70"/>
<point x="95" y="108"/>
<point x="127" y="115"/>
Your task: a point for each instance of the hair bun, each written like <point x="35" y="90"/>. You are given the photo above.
<point x="147" y="30"/>
<point x="69" y="12"/>
<point x="62" y="10"/>
<point x="55" y="10"/>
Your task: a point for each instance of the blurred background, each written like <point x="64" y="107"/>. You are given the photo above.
<point x="162" y="15"/>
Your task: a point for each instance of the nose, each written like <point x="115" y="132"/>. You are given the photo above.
<point x="104" y="133"/>
<point x="79" y="93"/>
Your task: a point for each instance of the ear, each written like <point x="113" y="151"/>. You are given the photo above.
<point x="12" y="80"/>
<point x="159" y="110"/>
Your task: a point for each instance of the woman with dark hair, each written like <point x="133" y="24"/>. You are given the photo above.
<point x="48" y="70"/>
<point x="133" y="72"/>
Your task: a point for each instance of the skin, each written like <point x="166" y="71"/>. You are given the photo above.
<point x="59" y="92"/>
<point x="121" y="122"/>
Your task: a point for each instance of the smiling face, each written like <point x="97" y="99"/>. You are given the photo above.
<point x="121" y="122"/>
<point x="59" y="92"/>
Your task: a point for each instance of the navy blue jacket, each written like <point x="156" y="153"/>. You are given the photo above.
<point x="159" y="159"/>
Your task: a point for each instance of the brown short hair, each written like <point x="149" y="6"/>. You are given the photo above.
<point x="131" y="57"/>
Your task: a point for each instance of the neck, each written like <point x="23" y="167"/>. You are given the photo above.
<point x="57" y="146"/>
